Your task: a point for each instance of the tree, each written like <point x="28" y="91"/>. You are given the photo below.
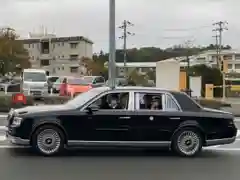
<point x="137" y="78"/>
<point x="12" y="52"/>
<point x="151" y="74"/>
<point x="94" y="67"/>
<point x="154" y="54"/>
<point x="209" y="76"/>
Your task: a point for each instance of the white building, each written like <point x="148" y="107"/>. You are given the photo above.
<point x="208" y="57"/>
<point x="58" y="55"/>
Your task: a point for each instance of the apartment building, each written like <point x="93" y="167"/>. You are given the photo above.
<point x="58" y="55"/>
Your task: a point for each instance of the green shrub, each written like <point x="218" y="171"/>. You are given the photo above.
<point x="6" y="103"/>
<point x="55" y="99"/>
<point x="211" y="103"/>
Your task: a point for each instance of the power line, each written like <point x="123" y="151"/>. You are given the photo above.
<point x="188" y="29"/>
<point x="126" y="33"/>
<point x="220" y="27"/>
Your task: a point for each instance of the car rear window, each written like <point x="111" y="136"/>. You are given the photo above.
<point x="77" y="81"/>
<point x="186" y="102"/>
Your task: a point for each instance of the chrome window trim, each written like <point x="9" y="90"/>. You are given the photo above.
<point x="171" y="98"/>
<point x="164" y="93"/>
<point x="105" y="93"/>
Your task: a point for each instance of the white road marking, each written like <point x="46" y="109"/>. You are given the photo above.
<point x="223" y="149"/>
<point x="3" y="138"/>
<point x="3" y="115"/>
<point x="237" y="119"/>
<point x="3" y="128"/>
<point x="12" y="147"/>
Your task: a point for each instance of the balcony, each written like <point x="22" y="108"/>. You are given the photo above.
<point x="45" y="57"/>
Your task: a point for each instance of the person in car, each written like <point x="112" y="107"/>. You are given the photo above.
<point x="146" y="104"/>
<point x="114" y="102"/>
<point x="156" y="103"/>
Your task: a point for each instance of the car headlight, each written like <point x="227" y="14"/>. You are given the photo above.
<point x="11" y="112"/>
<point x="45" y="85"/>
<point x="17" y="121"/>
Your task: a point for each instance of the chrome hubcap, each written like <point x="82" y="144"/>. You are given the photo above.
<point x="188" y="142"/>
<point x="48" y="141"/>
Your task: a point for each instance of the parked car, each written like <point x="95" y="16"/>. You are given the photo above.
<point x="124" y="117"/>
<point x="94" y="81"/>
<point x="56" y="85"/>
<point x="51" y="80"/>
<point x="119" y="82"/>
<point x="72" y="86"/>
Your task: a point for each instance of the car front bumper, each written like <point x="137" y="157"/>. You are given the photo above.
<point x="17" y="140"/>
<point x="37" y="92"/>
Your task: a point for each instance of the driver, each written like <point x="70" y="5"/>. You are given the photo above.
<point x="114" y="102"/>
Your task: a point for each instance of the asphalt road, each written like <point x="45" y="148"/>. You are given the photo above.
<point x="217" y="163"/>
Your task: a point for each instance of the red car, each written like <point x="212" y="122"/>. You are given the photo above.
<point x="72" y="86"/>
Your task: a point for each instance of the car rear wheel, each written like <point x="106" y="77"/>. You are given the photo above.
<point x="187" y="142"/>
<point x="48" y="140"/>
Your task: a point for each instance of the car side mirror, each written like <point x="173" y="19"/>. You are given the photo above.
<point x="92" y="108"/>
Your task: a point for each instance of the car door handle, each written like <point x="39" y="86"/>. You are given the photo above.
<point x="175" y="118"/>
<point x="125" y="117"/>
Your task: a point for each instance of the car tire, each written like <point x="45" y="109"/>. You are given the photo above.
<point x="48" y="140"/>
<point x="187" y="142"/>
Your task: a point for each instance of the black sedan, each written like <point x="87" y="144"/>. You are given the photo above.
<point x="122" y="117"/>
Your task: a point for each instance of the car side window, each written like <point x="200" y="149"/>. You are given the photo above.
<point x="149" y="101"/>
<point x="99" y="80"/>
<point x="112" y="101"/>
<point x="170" y="104"/>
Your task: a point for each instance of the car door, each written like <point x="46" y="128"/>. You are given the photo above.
<point x="154" y="125"/>
<point x="110" y="125"/>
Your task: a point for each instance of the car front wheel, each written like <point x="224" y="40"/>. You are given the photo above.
<point x="48" y="140"/>
<point x="187" y="142"/>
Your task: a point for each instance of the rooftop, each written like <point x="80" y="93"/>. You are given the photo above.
<point x="56" y="39"/>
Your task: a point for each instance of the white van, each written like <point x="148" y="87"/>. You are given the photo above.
<point x="34" y="82"/>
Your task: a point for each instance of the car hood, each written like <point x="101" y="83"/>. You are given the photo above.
<point x="41" y="108"/>
<point x="216" y="111"/>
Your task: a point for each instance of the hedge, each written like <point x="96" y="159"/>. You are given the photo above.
<point x="56" y="99"/>
<point x="211" y="103"/>
<point x="6" y="102"/>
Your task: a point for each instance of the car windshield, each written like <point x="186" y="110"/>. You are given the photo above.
<point x="82" y="98"/>
<point x="77" y="81"/>
<point x="34" y="76"/>
<point x="89" y="80"/>
<point x="53" y="79"/>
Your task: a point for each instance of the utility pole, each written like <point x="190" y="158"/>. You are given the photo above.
<point x="187" y="46"/>
<point x="219" y="29"/>
<point x="126" y="33"/>
<point x="112" y="44"/>
<point x="217" y="49"/>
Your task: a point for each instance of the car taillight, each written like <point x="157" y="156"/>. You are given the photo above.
<point x="89" y="86"/>
<point x="69" y="88"/>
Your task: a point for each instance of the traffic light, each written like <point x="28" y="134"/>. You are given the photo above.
<point x="224" y="66"/>
<point x="221" y="66"/>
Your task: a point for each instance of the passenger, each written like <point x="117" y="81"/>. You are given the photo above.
<point x="146" y="102"/>
<point x="156" y="103"/>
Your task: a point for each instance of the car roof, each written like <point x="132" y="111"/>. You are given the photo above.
<point x="137" y="88"/>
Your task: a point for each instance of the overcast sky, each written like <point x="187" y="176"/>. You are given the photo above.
<point x="159" y="23"/>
